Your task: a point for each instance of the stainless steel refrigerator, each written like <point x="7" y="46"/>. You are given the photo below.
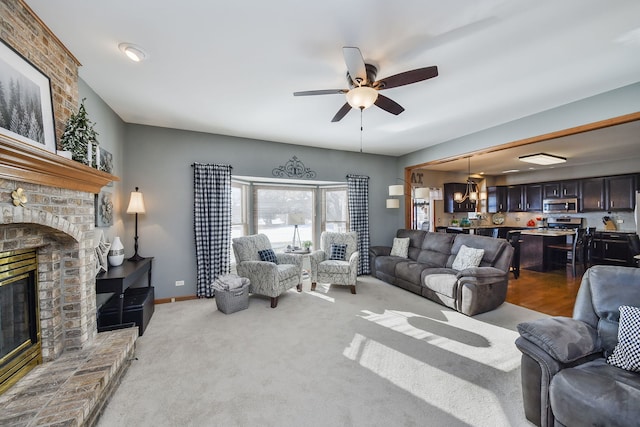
<point x="637" y="213"/>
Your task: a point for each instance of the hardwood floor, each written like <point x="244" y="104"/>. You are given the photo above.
<point x="552" y="292"/>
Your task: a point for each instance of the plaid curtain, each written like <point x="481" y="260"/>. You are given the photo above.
<point x="358" y="194"/>
<point x="212" y="224"/>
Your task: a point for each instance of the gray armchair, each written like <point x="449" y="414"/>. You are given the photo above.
<point x="566" y="380"/>
<point x="267" y="278"/>
<point x="339" y="272"/>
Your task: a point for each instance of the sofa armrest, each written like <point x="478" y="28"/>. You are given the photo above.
<point x="316" y="258"/>
<point x="284" y="258"/>
<point x="257" y="269"/>
<point x="380" y="250"/>
<point x="481" y="272"/>
<point x="563" y="338"/>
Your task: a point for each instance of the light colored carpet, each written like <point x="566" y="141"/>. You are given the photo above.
<point x="383" y="357"/>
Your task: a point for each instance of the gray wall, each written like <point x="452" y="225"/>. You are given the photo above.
<point x="158" y="160"/>
<point x="111" y="137"/>
<point x="615" y="103"/>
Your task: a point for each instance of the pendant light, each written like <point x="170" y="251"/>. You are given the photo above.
<point x="471" y="191"/>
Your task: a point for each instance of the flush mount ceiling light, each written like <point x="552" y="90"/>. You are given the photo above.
<point x="133" y="52"/>
<point x="543" y="159"/>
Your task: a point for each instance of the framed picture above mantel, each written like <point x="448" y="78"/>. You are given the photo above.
<point x="26" y="108"/>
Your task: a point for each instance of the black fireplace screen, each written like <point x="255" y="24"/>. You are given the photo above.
<point x="19" y="315"/>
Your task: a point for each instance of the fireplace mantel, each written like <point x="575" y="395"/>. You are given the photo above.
<point x="22" y="162"/>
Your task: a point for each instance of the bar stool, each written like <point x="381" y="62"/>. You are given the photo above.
<point x="575" y="248"/>
<point x="514" y="238"/>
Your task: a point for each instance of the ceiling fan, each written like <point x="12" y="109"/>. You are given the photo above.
<point x="364" y="88"/>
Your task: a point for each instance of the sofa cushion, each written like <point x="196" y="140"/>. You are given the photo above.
<point x="445" y="284"/>
<point x="467" y="257"/>
<point x="436" y="248"/>
<point x="409" y="271"/>
<point x="492" y="247"/>
<point x="595" y="394"/>
<point x="626" y="354"/>
<point x="400" y="247"/>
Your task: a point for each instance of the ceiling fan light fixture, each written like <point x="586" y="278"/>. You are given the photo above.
<point x="133" y="52"/>
<point x="542" y="159"/>
<point x="362" y="97"/>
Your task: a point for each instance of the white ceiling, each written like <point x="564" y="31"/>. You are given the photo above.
<point x="231" y="67"/>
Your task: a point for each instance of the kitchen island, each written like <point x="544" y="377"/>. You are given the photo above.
<point x="534" y="252"/>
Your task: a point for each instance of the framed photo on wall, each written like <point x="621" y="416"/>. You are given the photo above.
<point x="26" y="108"/>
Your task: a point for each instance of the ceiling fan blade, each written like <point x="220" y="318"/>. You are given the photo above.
<point x="388" y="105"/>
<point x="321" y="92"/>
<point x="342" y="112"/>
<point x="407" y="77"/>
<point x="355" y="64"/>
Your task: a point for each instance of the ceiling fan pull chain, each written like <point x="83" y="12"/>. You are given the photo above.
<point x="361" y="128"/>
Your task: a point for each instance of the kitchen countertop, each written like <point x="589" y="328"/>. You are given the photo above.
<point x="548" y="232"/>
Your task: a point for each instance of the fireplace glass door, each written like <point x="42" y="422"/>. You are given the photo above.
<point x="19" y="316"/>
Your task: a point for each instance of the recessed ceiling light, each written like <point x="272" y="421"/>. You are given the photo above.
<point x="543" y="159"/>
<point x="133" y="52"/>
<point x="511" y="171"/>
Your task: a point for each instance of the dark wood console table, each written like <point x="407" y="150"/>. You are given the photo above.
<point x="117" y="279"/>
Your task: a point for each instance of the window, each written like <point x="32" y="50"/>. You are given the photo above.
<point x="335" y="209"/>
<point x="239" y="217"/>
<point x="275" y="207"/>
<point x="281" y="210"/>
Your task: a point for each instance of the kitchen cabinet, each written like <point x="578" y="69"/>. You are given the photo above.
<point x="533" y="197"/>
<point x="621" y="192"/>
<point x="561" y="189"/>
<point x="593" y="194"/>
<point x="450" y="205"/>
<point x="515" y="198"/>
<point x="611" y="248"/>
<point x="616" y="193"/>
<point x="496" y="199"/>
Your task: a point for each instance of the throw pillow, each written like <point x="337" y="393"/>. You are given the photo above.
<point x="626" y="354"/>
<point x="268" y="255"/>
<point x="400" y="247"/>
<point x="338" y="252"/>
<point x="467" y="257"/>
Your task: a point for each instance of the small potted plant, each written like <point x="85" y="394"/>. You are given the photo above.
<point x="80" y="138"/>
<point x="307" y="245"/>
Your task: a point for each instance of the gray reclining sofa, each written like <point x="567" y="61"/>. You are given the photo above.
<point x="567" y="376"/>
<point x="428" y="270"/>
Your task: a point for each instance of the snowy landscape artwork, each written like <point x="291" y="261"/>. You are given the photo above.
<point x="26" y="112"/>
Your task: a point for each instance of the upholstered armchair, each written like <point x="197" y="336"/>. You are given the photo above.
<point x="267" y="278"/>
<point x="579" y="370"/>
<point x="336" y="269"/>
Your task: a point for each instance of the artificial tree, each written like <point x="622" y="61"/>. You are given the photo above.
<point x="79" y="137"/>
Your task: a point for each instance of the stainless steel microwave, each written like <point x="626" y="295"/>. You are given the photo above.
<point x="553" y="206"/>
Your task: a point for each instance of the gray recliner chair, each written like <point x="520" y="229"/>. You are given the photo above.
<point x="566" y="380"/>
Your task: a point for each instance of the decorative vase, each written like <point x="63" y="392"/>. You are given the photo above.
<point x="116" y="253"/>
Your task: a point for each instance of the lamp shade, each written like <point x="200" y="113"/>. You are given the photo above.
<point x="393" y="203"/>
<point x="136" y="203"/>
<point x="362" y="97"/>
<point x="295" y="219"/>
<point x="396" y="190"/>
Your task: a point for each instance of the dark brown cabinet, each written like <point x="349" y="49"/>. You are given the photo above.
<point x="533" y="197"/>
<point x="611" y="248"/>
<point x="496" y="199"/>
<point x="621" y="192"/>
<point x="616" y="193"/>
<point x="450" y="205"/>
<point x="593" y="194"/>
<point x="515" y="198"/>
<point x="561" y="189"/>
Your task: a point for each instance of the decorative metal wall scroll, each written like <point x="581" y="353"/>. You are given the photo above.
<point x="294" y="168"/>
